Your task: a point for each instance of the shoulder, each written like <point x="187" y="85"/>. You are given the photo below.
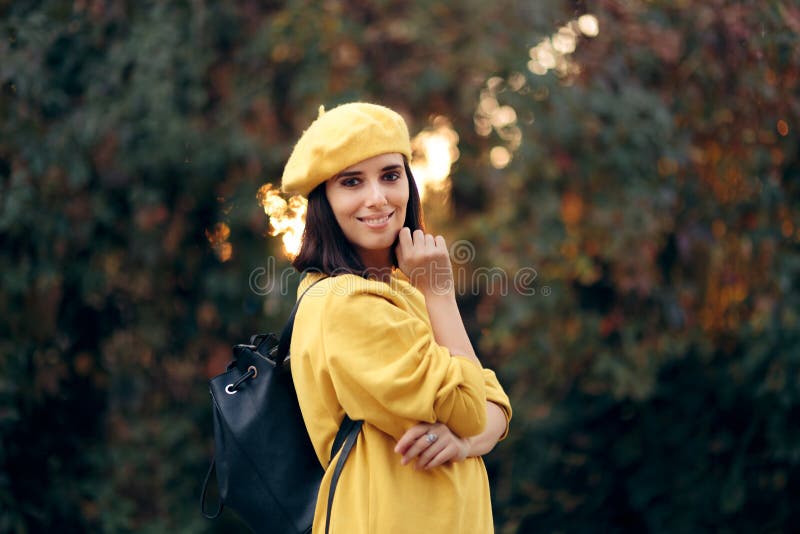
<point x="346" y="290"/>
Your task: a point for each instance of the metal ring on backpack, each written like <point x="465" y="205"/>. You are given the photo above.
<point x="252" y="372"/>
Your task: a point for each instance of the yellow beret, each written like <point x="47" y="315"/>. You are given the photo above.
<point x="339" y="138"/>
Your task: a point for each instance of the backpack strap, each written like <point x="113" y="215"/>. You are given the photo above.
<point x="348" y="433"/>
<point x="341" y="435"/>
<point x="286" y="334"/>
<point x="220" y="504"/>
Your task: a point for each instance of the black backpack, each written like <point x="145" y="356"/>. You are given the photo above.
<point x="267" y="470"/>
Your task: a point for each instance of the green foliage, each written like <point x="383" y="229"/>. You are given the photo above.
<point x="654" y="369"/>
<point x="664" y="217"/>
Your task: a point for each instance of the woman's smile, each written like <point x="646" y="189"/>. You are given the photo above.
<point x="377" y="222"/>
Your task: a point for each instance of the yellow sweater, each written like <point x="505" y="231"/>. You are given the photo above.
<point x="366" y="348"/>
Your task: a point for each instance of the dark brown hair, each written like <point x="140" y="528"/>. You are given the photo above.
<point x="325" y="249"/>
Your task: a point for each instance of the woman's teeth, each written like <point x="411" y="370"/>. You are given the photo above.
<point x="379" y="220"/>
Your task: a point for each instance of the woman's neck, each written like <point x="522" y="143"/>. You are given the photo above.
<point x="378" y="264"/>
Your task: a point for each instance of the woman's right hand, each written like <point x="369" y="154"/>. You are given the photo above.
<point x="425" y="260"/>
<point x="431" y="446"/>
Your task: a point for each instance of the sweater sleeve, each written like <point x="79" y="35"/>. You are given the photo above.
<point x="496" y="395"/>
<point x="388" y="370"/>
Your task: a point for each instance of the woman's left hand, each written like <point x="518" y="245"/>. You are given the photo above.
<point x="432" y="445"/>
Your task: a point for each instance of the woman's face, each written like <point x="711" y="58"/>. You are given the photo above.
<point x="369" y="201"/>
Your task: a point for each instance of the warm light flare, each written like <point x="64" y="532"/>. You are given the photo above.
<point x="218" y="239"/>
<point x="503" y="116"/>
<point x="500" y="157"/>
<point x="588" y="25"/>
<point x="553" y="53"/>
<point x="435" y="150"/>
<point x="565" y="40"/>
<point x="286" y="218"/>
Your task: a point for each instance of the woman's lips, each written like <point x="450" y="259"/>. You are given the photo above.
<point x="376" y="222"/>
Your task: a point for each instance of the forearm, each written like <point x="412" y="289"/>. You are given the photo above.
<point x="496" y="423"/>
<point x="448" y="327"/>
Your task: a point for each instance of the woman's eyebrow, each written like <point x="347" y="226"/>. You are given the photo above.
<point x="349" y="174"/>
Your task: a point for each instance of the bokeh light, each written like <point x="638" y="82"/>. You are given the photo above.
<point x="218" y="239"/>
<point x="435" y="150"/>
<point x="552" y="53"/>
<point x="588" y="25"/>
<point x="500" y="157"/>
<point x="286" y="218"/>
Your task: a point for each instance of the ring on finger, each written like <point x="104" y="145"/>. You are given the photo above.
<point x="431" y="438"/>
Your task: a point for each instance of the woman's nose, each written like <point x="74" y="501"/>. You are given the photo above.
<point x="376" y="195"/>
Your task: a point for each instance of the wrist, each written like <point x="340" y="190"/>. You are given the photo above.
<point x="469" y="448"/>
<point x="443" y="294"/>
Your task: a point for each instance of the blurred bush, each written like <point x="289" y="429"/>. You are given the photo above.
<point x="638" y="186"/>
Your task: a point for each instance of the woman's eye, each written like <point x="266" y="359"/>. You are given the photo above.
<point x="391" y="176"/>
<point x="350" y="182"/>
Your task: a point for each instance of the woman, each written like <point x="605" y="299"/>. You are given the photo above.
<point x="381" y="339"/>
